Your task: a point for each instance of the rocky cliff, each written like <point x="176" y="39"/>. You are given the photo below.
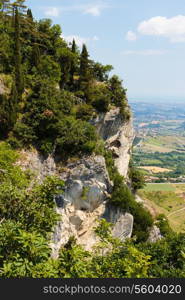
<point x="88" y="186"/>
<point x="118" y="135"/>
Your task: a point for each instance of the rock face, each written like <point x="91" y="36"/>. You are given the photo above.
<point x="36" y="163"/>
<point x="88" y="186"/>
<point x="87" y="183"/>
<point x="87" y="189"/>
<point x="81" y="225"/>
<point x="118" y="135"/>
<point x="155" y="234"/>
<point x="123" y="222"/>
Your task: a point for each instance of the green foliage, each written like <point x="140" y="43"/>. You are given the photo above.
<point x="100" y="72"/>
<point x="73" y="261"/>
<point x="84" y="112"/>
<point x="49" y="69"/>
<point x="20" y="250"/>
<point x="27" y="218"/>
<point x="162" y="223"/>
<point x="167" y="256"/>
<point x="55" y="92"/>
<point x="137" y="178"/>
<point x="19" y="80"/>
<point x="75" y="136"/>
<point x="84" y="68"/>
<point x="100" y="97"/>
<point x="118" y="96"/>
<point x="123" y="197"/>
<point x="23" y="133"/>
<point x="9" y="110"/>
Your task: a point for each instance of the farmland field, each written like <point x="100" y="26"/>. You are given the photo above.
<point x="168" y="199"/>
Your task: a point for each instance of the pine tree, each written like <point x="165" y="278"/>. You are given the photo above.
<point x="19" y="80"/>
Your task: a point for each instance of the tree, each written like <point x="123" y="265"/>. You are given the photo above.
<point x="73" y="68"/>
<point x="29" y="14"/>
<point x="9" y="110"/>
<point x="84" y="71"/>
<point x="36" y="57"/>
<point x="19" y="80"/>
<point x="137" y="178"/>
<point x="66" y="59"/>
<point x="100" y="71"/>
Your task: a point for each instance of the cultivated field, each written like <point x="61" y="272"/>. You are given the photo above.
<point x="168" y="199"/>
<point x="154" y="169"/>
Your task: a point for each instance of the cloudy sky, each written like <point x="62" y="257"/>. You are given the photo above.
<point x="143" y="39"/>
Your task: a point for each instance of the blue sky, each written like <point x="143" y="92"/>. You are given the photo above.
<point x="144" y="40"/>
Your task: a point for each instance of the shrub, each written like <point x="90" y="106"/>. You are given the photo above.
<point x="24" y="133"/>
<point x="84" y="112"/>
<point x="101" y="103"/>
<point x="137" y="178"/>
<point x="123" y="198"/>
<point x="163" y="224"/>
<point x="75" y="136"/>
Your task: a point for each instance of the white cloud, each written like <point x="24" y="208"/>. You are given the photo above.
<point x="147" y="52"/>
<point x="52" y="12"/>
<point x="94" y="10"/>
<point x="171" y="28"/>
<point x="131" y="36"/>
<point x="79" y="40"/>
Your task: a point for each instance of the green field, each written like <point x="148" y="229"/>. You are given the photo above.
<point x="163" y="143"/>
<point x="153" y="187"/>
<point x="168" y="199"/>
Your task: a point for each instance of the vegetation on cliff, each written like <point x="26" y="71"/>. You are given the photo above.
<point x="50" y="92"/>
<point x="54" y="88"/>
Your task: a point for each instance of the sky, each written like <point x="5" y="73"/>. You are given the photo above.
<point x="143" y="40"/>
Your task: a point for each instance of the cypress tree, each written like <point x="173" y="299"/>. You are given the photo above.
<point x="19" y="80"/>
<point x="12" y="106"/>
<point x="8" y="113"/>
<point x="84" y="64"/>
<point x="29" y="14"/>
<point x="84" y="72"/>
<point x="73" y="64"/>
<point x="35" y="56"/>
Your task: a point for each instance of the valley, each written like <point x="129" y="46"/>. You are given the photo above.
<point x="159" y="153"/>
<point x="159" y="145"/>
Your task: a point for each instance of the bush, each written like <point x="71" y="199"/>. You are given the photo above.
<point x="14" y="142"/>
<point x="84" y="112"/>
<point x="24" y="133"/>
<point x="137" y="178"/>
<point x="75" y="136"/>
<point x="100" y="97"/>
<point x="163" y="224"/>
<point x="101" y="103"/>
<point x="123" y="198"/>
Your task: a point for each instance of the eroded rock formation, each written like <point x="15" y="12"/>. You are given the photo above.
<point x="88" y="186"/>
<point x="118" y="135"/>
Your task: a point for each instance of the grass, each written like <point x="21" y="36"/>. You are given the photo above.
<point x="152" y="187"/>
<point x="163" y="143"/>
<point x="167" y="199"/>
